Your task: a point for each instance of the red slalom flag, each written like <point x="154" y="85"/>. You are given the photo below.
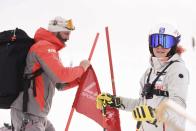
<point x="85" y="102"/>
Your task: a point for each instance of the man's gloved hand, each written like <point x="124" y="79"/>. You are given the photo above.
<point x="145" y="113"/>
<point x="105" y="99"/>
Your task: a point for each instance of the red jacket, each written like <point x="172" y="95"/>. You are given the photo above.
<point x="44" y="54"/>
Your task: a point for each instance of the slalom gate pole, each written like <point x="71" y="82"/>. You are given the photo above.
<point x="111" y="69"/>
<point x="110" y="61"/>
<point x="93" y="48"/>
<point x="89" y="58"/>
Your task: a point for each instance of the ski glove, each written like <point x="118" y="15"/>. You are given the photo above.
<point x="145" y="113"/>
<point x="106" y="99"/>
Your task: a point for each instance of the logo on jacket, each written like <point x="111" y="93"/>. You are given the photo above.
<point x="159" y="86"/>
<point x="51" y="51"/>
<point x="162" y="30"/>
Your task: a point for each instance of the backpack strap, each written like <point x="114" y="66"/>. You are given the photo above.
<point x="148" y="79"/>
<point x="171" y="62"/>
<point x="28" y="78"/>
<point x="151" y="87"/>
<point x="159" y="92"/>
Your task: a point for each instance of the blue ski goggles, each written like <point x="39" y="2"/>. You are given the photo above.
<point x="166" y="41"/>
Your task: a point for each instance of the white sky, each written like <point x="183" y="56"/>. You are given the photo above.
<point x="129" y="22"/>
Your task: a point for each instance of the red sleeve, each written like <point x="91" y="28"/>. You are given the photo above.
<point x="71" y="84"/>
<point x="48" y="58"/>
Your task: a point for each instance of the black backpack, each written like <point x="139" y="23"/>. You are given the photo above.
<point x="14" y="46"/>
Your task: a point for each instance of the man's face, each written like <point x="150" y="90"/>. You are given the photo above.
<point x="63" y="36"/>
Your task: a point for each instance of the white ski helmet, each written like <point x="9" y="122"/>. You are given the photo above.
<point x="165" y="35"/>
<point x="59" y="24"/>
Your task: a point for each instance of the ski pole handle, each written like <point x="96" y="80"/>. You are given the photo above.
<point x="104" y="108"/>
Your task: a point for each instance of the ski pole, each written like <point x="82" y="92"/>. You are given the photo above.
<point x="139" y="123"/>
<point x="104" y="112"/>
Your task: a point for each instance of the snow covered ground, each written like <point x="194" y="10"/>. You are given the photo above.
<point x="129" y="22"/>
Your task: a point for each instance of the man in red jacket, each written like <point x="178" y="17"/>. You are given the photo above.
<point x="44" y="54"/>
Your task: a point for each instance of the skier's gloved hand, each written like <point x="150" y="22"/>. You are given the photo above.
<point x="145" y="113"/>
<point x="103" y="100"/>
<point x="106" y="99"/>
